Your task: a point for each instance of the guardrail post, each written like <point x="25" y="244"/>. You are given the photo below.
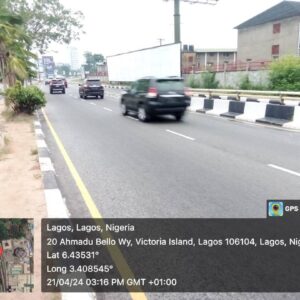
<point x="281" y="98"/>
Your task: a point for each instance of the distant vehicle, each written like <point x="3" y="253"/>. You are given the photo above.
<point x="63" y="79"/>
<point x="151" y="96"/>
<point x="48" y="80"/>
<point x="91" y="87"/>
<point x="57" y="85"/>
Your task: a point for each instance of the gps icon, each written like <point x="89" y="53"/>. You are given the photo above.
<point x="275" y="209"/>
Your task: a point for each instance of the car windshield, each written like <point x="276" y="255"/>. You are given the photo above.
<point x="166" y="85"/>
<point x="93" y="82"/>
<point x="57" y="82"/>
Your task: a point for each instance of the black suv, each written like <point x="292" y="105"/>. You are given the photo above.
<point x="57" y="85"/>
<point x="91" y="87"/>
<point x="150" y="96"/>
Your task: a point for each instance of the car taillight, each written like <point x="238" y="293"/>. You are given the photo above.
<point x="188" y="92"/>
<point x="152" y="92"/>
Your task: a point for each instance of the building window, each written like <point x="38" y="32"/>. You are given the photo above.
<point x="190" y="59"/>
<point x="275" y="50"/>
<point x="276" y="28"/>
<point x="226" y="54"/>
<point x="211" y="54"/>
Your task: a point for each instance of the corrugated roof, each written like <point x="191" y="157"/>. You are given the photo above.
<point x="282" y="10"/>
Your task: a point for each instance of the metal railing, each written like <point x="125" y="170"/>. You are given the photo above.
<point x="228" y="67"/>
<point x="272" y="95"/>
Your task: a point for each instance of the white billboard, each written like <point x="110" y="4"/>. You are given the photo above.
<point x="158" y="61"/>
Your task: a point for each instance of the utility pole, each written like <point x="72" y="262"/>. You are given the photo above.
<point x="177" y="38"/>
<point x="177" y="21"/>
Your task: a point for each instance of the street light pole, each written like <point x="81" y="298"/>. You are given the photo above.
<point x="177" y="21"/>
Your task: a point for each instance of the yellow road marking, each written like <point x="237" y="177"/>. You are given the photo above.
<point x="115" y="252"/>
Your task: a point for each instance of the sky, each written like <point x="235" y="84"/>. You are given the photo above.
<point x="117" y="26"/>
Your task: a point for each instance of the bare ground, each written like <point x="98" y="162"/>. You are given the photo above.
<point x="21" y="188"/>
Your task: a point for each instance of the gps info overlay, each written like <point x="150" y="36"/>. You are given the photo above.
<point x="174" y="255"/>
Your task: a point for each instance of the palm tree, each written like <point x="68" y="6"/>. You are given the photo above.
<point x="14" y="56"/>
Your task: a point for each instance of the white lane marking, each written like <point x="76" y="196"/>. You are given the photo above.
<point x="108" y="109"/>
<point x="181" y="135"/>
<point x="92" y="103"/>
<point x="284" y="170"/>
<point x="132" y="118"/>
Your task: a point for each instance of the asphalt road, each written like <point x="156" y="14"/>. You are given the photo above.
<point x="201" y="167"/>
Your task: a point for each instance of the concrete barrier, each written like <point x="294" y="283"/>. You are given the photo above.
<point x="252" y="100"/>
<point x="291" y="102"/>
<point x="277" y="102"/>
<point x="236" y="108"/>
<point x="278" y="114"/>
<point x="253" y="111"/>
<point x="220" y="106"/>
<point x="208" y="105"/>
<point x="197" y="103"/>
<point x="295" y="124"/>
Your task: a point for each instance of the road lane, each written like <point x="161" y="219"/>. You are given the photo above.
<point x="140" y="170"/>
<point x="135" y="169"/>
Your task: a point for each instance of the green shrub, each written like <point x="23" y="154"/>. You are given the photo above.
<point x="246" y="84"/>
<point x="285" y="74"/>
<point x="209" y="80"/>
<point x="24" y="99"/>
<point x="194" y="82"/>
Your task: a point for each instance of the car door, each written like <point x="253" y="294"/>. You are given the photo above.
<point x="141" y="92"/>
<point x="130" y="94"/>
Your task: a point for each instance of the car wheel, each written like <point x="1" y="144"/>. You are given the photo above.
<point x="142" y="114"/>
<point x="179" y="116"/>
<point x="97" y="97"/>
<point x="63" y="91"/>
<point x="102" y="96"/>
<point x="84" y="96"/>
<point x="124" y="110"/>
<point x="51" y="92"/>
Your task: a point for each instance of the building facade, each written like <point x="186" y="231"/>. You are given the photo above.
<point x="272" y="34"/>
<point x="200" y="60"/>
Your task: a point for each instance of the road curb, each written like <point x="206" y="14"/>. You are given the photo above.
<point x="56" y="205"/>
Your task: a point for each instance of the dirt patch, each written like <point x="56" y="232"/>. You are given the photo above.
<point x="21" y="188"/>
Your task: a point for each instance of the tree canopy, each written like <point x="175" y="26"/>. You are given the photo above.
<point x="91" y="61"/>
<point x="31" y="25"/>
<point x="47" y="21"/>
